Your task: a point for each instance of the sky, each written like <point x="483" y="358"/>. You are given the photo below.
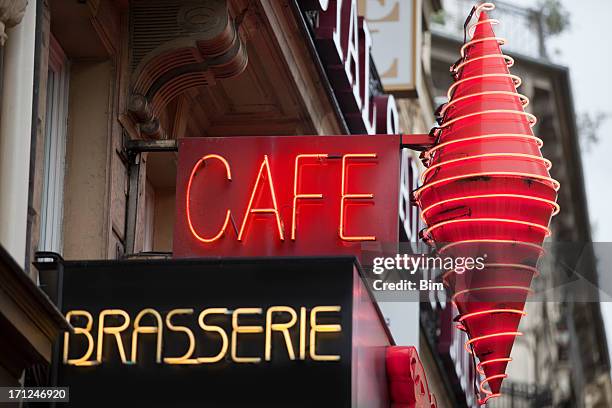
<point x="586" y="50"/>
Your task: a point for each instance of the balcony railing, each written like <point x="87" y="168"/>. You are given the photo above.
<point x="522" y="27"/>
<point x="522" y="395"/>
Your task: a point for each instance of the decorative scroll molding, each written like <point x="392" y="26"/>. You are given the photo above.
<point x="199" y="44"/>
<point x="11" y="13"/>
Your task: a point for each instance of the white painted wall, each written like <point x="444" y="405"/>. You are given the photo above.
<point x="15" y="133"/>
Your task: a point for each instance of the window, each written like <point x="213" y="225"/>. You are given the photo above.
<point x="54" y="150"/>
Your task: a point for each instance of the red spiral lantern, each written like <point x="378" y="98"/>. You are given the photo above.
<point x="487" y="190"/>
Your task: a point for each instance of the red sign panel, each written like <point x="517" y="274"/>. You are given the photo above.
<point x="288" y="195"/>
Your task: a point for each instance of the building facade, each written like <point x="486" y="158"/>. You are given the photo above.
<point x="29" y="320"/>
<point x="562" y="359"/>
<point x="96" y="94"/>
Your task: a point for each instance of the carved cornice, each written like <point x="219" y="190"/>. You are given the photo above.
<point x="201" y="44"/>
<point x="11" y="13"/>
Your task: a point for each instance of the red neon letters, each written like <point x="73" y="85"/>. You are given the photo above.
<point x="344" y="44"/>
<point x="188" y="198"/>
<point x="265" y="165"/>
<point x="296" y="195"/>
<point x="274" y="210"/>
<point x="347" y="196"/>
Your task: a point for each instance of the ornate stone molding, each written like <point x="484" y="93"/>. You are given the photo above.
<point x="178" y="46"/>
<point x="11" y="13"/>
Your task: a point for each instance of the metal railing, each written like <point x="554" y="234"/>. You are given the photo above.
<point x="522" y="27"/>
<point x="523" y="395"/>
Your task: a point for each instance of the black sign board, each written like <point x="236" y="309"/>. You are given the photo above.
<point x="270" y="311"/>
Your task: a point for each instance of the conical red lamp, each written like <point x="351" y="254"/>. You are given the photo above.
<point x="487" y="190"/>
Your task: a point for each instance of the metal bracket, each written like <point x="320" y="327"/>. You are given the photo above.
<point x="417" y="141"/>
<point x="133" y="147"/>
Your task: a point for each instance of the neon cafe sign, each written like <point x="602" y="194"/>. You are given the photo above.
<point x="344" y="44"/>
<point x="278" y="320"/>
<point x="293" y="195"/>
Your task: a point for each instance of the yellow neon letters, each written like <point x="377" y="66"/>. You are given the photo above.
<point x="299" y="324"/>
